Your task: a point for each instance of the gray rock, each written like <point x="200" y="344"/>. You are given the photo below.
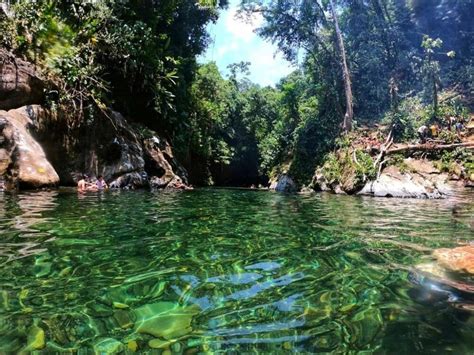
<point x="130" y="181"/>
<point x="286" y="184"/>
<point x="108" y="346"/>
<point x="319" y="182"/>
<point x="392" y="183"/>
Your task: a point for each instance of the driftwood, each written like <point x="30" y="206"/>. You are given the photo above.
<point x="427" y="147"/>
<point x="378" y="164"/>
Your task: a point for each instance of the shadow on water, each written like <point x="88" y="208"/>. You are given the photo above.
<point x="210" y="270"/>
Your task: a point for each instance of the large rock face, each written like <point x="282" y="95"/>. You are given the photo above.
<point x="112" y="147"/>
<point x="23" y="162"/>
<point x="121" y="159"/>
<point x="20" y="83"/>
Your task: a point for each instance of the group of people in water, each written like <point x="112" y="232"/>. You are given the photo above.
<point x="86" y="184"/>
<point x="425" y="132"/>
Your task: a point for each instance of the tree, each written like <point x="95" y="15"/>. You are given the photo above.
<point x="349" y="115"/>
<point x="303" y="24"/>
<point x="430" y="69"/>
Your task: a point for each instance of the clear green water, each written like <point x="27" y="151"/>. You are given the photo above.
<point x="228" y="270"/>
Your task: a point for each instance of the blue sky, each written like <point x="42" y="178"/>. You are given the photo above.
<point x="234" y="40"/>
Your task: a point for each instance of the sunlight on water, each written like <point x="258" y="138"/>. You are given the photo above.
<point x="221" y="270"/>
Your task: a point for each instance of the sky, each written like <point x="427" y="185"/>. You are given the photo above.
<point x="234" y="40"/>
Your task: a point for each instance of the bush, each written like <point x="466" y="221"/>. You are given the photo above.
<point x="448" y="137"/>
<point x="332" y="169"/>
<point x="351" y="174"/>
<point x="410" y="115"/>
<point x="398" y="160"/>
<point x="459" y="162"/>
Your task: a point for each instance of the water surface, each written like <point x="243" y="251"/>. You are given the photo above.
<point x="222" y="270"/>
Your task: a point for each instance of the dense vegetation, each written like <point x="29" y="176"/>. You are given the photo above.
<point x="361" y="62"/>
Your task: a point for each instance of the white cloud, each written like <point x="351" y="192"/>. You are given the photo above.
<point x="242" y="29"/>
<point x="268" y="66"/>
<point x="223" y="50"/>
<point x="235" y="40"/>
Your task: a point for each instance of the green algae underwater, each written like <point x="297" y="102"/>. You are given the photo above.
<point x="215" y="270"/>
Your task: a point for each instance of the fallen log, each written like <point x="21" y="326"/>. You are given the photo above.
<point x="428" y="147"/>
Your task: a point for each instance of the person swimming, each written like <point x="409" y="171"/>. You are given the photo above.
<point x="84" y="185"/>
<point x="101" y="184"/>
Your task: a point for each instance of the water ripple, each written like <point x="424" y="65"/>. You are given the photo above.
<point x="222" y="270"/>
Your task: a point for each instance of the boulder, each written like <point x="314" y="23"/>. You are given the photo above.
<point x="22" y="159"/>
<point x="20" y="83"/>
<point x="285" y="184"/>
<point x="319" y="182"/>
<point x="130" y="181"/>
<point x="393" y="183"/>
<point x="460" y="259"/>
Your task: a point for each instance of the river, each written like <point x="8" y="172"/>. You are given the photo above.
<point x="228" y="270"/>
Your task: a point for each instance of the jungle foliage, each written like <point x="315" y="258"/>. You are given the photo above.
<point x="140" y="57"/>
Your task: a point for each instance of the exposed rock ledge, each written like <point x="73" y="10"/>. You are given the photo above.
<point x="415" y="184"/>
<point x="421" y="180"/>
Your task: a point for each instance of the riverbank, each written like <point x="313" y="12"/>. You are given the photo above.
<point x="368" y="162"/>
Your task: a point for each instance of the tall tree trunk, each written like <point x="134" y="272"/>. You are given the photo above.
<point x="348" y="117"/>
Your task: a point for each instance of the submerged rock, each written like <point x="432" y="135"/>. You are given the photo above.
<point x="108" y="346"/>
<point x="22" y="160"/>
<point x="160" y="344"/>
<point x="35" y="339"/>
<point x="165" y="320"/>
<point x="132" y="346"/>
<point x="460" y="259"/>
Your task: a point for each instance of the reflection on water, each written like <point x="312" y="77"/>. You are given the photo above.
<point x="220" y="270"/>
<point x="18" y="216"/>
